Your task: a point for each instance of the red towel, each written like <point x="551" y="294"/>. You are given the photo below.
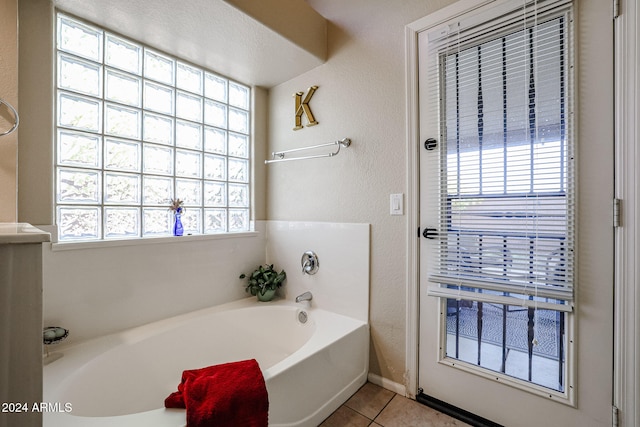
<point x="228" y="395"/>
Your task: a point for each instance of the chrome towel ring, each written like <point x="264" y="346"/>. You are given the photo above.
<point x="15" y="115"/>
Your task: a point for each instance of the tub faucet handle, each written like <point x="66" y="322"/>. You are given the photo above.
<point x="307" y="296"/>
<point x="310" y="263"/>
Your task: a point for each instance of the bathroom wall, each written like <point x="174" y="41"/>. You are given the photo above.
<point x="96" y="290"/>
<point x="8" y="92"/>
<point x="341" y="283"/>
<point x="361" y="95"/>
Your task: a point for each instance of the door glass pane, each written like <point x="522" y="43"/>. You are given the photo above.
<point x="524" y="343"/>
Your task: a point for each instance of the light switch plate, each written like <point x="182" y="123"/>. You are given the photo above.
<point x="396" y="204"/>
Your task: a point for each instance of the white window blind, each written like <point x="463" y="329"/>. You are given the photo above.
<point x="506" y="191"/>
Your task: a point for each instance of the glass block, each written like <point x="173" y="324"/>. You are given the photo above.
<point x="188" y="135"/>
<point x="79" y="113"/>
<point x="238" y="96"/>
<point x="192" y="220"/>
<point x="239" y="195"/>
<point x="238" y="220"/>
<point x="189" y="107"/>
<point x="79" y="38"/>
<point x="123" y="55"/>
<point x="189" y="78"/>
<point x="190" y="191"/>
<point x="238" y="145"/>
<point x="215" y="114"/>
<point x="238" y="120"/>
<point x="122" y="155"/>
<point x="158" y="67"/>
<point x="78" y="186"/>
<point x="157" y="190"/>
<point x="215" y="140"/>
<point x="79" y="149"/>
<point x="123" y="88"/>
<point x="158" y="98"/>
<point x="157" y="222"/>
<point x="215" y="167"/>
<point x="121" y="121"/>
<point x="121" y="222"/>
<point x="215" y="87"/>
<point x="188" y="164"/>
<point x="78" y="223"/>
<point x="215" y="221"/>
<point x="238" y="170"/>
<point x="215" y="193"/>
<point x="79" y="76"/>
<point x="157" y="128"/>
<point x="157" y="160"/>
<point x="121" y="188"/>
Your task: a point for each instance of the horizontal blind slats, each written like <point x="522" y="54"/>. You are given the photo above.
<point x="506" y="191"/>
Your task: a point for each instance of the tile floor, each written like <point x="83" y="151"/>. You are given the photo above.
<point x="375" y="406"/>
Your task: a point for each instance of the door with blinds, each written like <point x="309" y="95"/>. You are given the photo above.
<point x="516" y="190"/>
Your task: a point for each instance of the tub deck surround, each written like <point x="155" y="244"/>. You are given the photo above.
<point x="341" y="284"/>
<point x="122" y="379"/>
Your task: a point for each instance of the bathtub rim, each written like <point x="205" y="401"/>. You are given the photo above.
<point x="78" y="354"/>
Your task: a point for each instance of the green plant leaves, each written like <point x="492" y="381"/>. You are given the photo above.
<point x="263" y="278"/>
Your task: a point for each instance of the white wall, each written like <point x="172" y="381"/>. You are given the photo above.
<point x="96" y="291"/>
<point x="361" y="95"/>
<point x="341" y="284"/>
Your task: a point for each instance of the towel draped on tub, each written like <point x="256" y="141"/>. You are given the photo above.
<point x="227" y="395"/>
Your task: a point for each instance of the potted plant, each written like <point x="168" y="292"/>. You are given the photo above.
<point x="264" y="281"/>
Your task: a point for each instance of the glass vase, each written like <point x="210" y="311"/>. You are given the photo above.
<point x="178" y="230"/>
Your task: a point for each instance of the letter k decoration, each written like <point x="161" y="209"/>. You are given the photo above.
<point x="302" y="107"/>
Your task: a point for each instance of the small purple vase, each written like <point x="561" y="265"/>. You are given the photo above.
<point x="178" y="230"/>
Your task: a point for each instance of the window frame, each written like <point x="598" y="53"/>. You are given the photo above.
<point x="100" y="204"/>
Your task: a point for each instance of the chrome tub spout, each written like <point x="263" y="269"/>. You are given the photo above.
<point x="307" y="296"/>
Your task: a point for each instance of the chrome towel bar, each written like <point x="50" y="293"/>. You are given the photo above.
<point x="15" y="115"/>
<point x="280" y="156"/>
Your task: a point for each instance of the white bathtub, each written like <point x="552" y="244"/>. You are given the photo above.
<point x="121" y="380"/>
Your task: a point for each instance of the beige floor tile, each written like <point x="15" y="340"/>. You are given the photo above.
<point x="370" y="400"/>
<point x="402" y="412"/>
<point x="346" y="417"/>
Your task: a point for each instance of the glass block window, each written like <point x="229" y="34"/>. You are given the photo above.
<point x="136" y="128"/>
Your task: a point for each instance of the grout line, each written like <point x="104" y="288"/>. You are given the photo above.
<point x="385" y="406"/>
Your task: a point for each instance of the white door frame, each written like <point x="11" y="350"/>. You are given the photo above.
<point x="413" y="181"/>
<point x="626" y="391"/>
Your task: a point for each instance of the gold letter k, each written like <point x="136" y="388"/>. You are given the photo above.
<point x="302" y="107"/>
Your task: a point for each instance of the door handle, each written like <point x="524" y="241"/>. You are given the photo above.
<point x="430" y="233"/>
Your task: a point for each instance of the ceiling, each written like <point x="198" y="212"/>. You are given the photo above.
<point x="261" y="46"/>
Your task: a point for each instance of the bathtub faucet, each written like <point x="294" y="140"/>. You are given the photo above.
<point x="304" y="297"/>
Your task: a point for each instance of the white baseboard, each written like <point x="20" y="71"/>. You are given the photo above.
<point x="388" y="384"/>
